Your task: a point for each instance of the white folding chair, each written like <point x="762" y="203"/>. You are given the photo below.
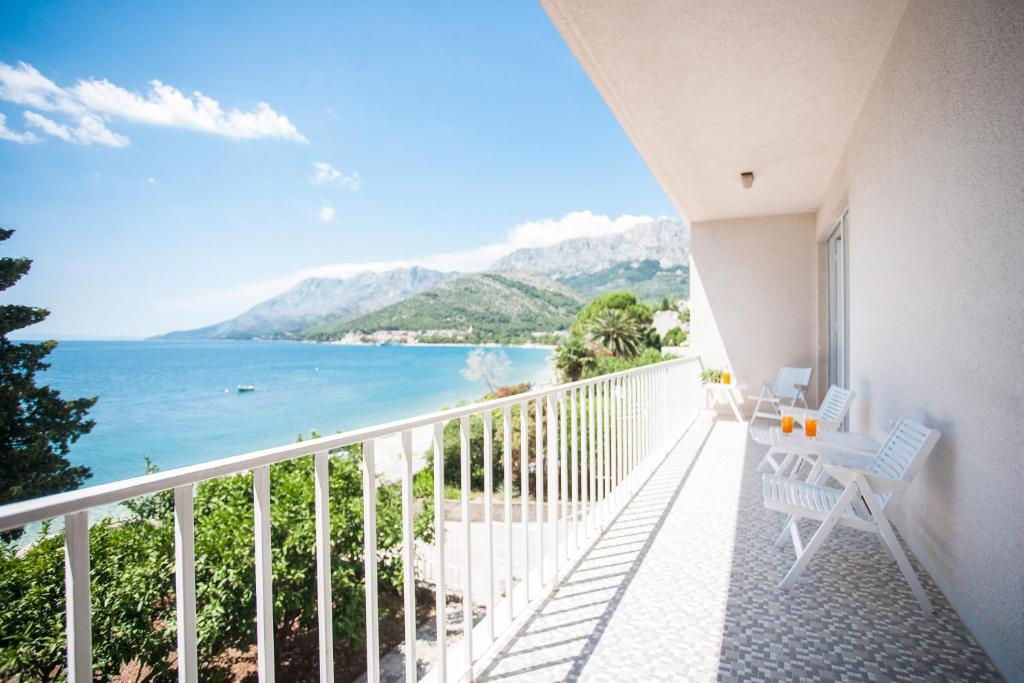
<point x="788" y="389"/>
<point x="830" y="414"/>
<point x="860" y="504"/>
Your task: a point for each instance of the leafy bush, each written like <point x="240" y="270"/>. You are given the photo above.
<point x="674" y="337"/>
<point x="609" y="364"/>
<point x="133" y="574"/>
<point x="638" y="312"/>
<point x="573" y="358"/>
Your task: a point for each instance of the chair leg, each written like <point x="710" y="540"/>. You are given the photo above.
<point x="888" y="537"/>
<point x="804" y="558"/>
<point x="768" y="462"/>
<point x="780" y="542"/>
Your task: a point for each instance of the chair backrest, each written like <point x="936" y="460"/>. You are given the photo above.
<point x="904" y="452"/>
<point x="836" y="405"/>
<point x="789" y="378"/>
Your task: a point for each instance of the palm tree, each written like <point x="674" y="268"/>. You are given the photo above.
<point x="617" y="331"/>
<point x="573" y="358"/>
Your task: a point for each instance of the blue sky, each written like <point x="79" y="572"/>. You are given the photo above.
<point x="445" y="133"/>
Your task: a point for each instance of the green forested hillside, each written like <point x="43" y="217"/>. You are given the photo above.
<point x="647" y="279"/>
<point x="496" y="306"/>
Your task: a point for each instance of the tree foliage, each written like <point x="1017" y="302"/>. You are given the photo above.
<point x="37" y="426"/>
<point x="489" y="367"/>
<point x="637" y="311"/>
<point x="674" y="337"/>
<point x="573" y="358"/>
<point x="617" y="331"/>
<point x="133" y="575"/>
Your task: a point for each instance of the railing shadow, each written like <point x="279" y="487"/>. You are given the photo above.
<point x="653" y="495"/>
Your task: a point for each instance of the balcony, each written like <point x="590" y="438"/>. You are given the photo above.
<point x="683" y="585"/>
<point x="644" y="553"/>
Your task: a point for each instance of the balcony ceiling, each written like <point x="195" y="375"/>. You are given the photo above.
<point x="707" y="90"/>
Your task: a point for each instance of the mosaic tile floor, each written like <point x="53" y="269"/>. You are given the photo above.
<point x="684" y="587"/>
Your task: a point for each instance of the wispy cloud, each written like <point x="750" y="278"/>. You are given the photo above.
<point x="531" y="234"/>
<point x="90" y="130"/>
<point x="90" y="101"/>
<point x="26" y="138"/>
<point x="325" y="174"/>
<point x="326" y="214"/>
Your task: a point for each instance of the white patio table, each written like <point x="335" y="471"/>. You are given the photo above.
<point x="851" y="449"/>
<point x="718" y="393"/>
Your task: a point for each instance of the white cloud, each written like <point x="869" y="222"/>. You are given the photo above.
<point x="90" y="101"/>
<point x="23" y="84"/>
<point x="326" y="214"/>
<point x="525" y="235"/>
<point x="90" y="130"/>
<point x="151" y="180"/>
<point x="165" y="105"/>
<point x="544" y="233"/>
<point x="325" y="174"/>
<point x="48" y="126"/>
<point x="26" y="138"/>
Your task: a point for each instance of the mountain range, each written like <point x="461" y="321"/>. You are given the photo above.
<point x="315" y="300"/>
<point x="529" y="290"/>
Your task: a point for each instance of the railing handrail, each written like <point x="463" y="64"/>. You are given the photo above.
<point x="25" y="512"/>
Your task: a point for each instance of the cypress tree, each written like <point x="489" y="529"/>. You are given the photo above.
<point x="37" y="426"/>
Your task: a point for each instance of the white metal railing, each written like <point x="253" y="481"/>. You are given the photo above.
<point x="604" y="436"/>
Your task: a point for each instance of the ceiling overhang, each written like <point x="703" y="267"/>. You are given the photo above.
<point x="709" y="90"/>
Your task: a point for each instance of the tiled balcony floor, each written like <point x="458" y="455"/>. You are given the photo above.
<point x="684" y="586"/>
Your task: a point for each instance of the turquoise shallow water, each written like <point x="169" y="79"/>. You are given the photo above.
<point x="177" y="403"/>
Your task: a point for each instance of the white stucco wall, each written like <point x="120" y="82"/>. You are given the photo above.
<point x="753" y="295"/>
<point x="933" y="176"/>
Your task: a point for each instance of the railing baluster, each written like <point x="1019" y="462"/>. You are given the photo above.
<point x="440" y="589"/>
<point x="592" y="457"/>
<point x="489" y="518"/>
<point x="77" y="599"/>
<point x="632" y="417"/>
<point x="600" y="438"/>
<point x="574" y="410"/>
<point x="185" y="583"/>
<point x="538" y="473"/>
<point x="506" y="438"/>
<point x="408" y="559"/>
<point x="264" y="575"/>
<point x="563" y="472"/>
<point x="467" y="566"/>
<point x="553" y="481"/>
<point x="524" y="490"/>
<point x="613" y="410"/>
<point x="370" y="562"/>
<point x="607" y="446"/>
<point x="324" y="604"/>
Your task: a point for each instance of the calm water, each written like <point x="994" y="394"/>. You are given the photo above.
<point x="176" y="402"/>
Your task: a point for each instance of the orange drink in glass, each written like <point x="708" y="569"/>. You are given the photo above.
<point x="726" y="378"/>
<point x="810" y="427"/>
<point x="787" y="424"/>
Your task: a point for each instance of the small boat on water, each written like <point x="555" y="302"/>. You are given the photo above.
<point x="245" y="388"/>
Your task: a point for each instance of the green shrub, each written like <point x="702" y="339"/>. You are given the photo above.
<point x="133" y="573"/>
<point x="674" y="337"/>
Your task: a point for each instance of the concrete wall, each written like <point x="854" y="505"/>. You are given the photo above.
<point x="933" y="176"/>
<point x="753" y="295"/>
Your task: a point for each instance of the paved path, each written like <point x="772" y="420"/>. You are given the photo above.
<point x="683" y="586"/>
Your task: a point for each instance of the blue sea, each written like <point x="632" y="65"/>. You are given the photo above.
<point x="177" y="403"/>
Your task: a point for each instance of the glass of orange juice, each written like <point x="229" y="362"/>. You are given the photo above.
<point x="810" y="427"/>
<point x="726" y="377"/>
<point x="787" y="424"/>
